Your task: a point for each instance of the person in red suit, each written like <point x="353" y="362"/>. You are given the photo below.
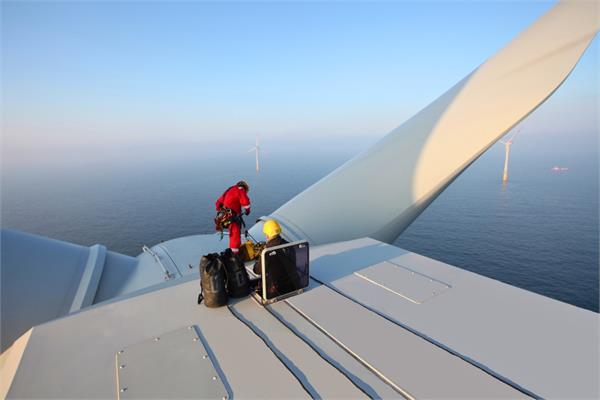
<point x="236" y="199"/>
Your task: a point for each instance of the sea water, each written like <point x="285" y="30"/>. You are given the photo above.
<point x="538" y="231"/>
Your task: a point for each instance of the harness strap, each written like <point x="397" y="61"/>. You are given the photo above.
<point x="239" y="218"/>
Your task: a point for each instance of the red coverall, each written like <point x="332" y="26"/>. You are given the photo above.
<point x="235" y="198"/>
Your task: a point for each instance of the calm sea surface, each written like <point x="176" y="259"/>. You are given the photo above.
<point x="538" y="232"/>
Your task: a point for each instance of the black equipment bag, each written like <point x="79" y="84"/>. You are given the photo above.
<point x="238" y="283"/>
<point x="212" y="281"/>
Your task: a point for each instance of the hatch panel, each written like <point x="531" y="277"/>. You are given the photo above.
<point x="173" y="365"/>
<point x="403" y="282"/>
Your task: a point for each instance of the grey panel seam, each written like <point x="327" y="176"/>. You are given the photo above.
<point x="313" y="394"/>
<point x="213" y="359"/>
<point x="379" y="374"/>
<point x="467" y="359"/>
<point x="371" y="281"/>
<point x="431" y="278"/>
<point x="318" y="351"/>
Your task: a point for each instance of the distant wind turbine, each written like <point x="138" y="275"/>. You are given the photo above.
<point x="257" y="150"/>
<point x="507" y="152"/>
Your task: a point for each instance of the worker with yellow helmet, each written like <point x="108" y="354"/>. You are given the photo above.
<point x="272" y="231"/>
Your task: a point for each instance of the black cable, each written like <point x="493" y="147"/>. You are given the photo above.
<point x="235" y="314"/>
<point x="434" y="342"/>
<point x="318" y="351"/>
<point x="251" y="237"/>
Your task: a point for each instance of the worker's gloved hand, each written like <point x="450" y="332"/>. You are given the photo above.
<point x="247" y="211"/>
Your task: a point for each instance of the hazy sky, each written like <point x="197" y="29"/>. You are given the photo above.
<point x="91" y="77"/>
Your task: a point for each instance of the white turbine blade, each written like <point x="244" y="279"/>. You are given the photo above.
<point x="381" y="191"/>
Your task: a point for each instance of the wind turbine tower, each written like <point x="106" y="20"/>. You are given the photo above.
<point x="256" y="149"/>
<point x="506" y="155"/>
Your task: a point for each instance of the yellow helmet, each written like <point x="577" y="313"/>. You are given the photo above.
<point x="271" y="228"/>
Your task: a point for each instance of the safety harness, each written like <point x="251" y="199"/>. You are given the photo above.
<point x="226" y="216"/>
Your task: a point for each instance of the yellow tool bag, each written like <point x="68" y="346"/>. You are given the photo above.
<point x="247" y="251"/>
<point x="250" y="250"/>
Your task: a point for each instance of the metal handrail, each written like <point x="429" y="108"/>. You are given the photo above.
<point x="168" y="274"/>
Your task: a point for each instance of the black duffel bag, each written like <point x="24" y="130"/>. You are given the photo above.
<point x="238" y="283"/>
<point x="212" y="281"/>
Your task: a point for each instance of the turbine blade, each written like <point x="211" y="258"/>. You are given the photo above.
<point x="425" y="154"/>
